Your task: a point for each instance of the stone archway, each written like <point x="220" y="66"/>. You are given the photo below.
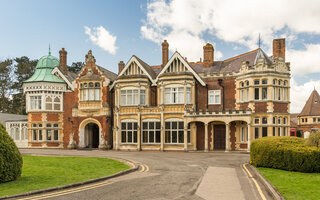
<point x="89" y="133"/>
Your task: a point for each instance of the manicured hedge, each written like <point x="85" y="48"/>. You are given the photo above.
<point x="10" y="157"/>
<point x="287" y="153"/>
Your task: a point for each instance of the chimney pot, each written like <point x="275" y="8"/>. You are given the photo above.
<point x="208" y="52"/>
<point x="165" y="53"/>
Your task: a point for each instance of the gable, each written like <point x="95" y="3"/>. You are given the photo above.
<point x="133" y="69"/>
<point x="178" y="64"/>
<point x="137" y="67"/>
<point x="56" y="71"/>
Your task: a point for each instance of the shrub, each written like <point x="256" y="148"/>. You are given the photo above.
<point x="287" y="153"/>
<point x="314" y="139"/>
<point x="10" y="157"/>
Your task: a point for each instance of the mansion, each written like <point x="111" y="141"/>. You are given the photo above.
<point x="178" y="105"/>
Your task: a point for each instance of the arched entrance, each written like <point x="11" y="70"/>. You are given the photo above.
<point x="91" y="132"/>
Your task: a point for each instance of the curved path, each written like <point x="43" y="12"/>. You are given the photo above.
<point x="164" y="175"/>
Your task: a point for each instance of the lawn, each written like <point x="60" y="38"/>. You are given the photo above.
<point x="44" y="172"/>
<point x="294" y="185"/>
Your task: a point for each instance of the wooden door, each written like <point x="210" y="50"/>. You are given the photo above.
<point x="200" y="136"/>
<point x="219" y="137"/>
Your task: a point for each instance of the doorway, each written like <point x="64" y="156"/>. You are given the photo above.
<point x="219" y="137"/>
<point x="92" y="135"/>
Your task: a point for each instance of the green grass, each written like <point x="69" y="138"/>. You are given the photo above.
<point x="294" y="185"/>
<point x="44" y="172"/>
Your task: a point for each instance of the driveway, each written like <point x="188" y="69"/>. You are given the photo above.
<point x="165" y="175"/>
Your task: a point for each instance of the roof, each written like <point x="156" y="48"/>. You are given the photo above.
<point x="294" y="120"/>
<point x="4" y="117"/>
<point x="146" y="67"/>
<point x="312" y="106"/>
<point x="232" y="64"/>
<point x="43" y="70"/>
<point x="109" y="74"/>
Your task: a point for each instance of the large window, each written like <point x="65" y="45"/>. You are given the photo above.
<point x="129" y="97"/>
<point x="90" y="91"/>
<point x="264" y="93"/>
<point x="174" y="95"/>
<point x="256" y="133"/>
<point x="174" y="132"/>
<point x="53" y="103"/>
<point x="35" y="102"/>
<point x="256" y="93"/>
<point x="214" y="96"/>
<point x="37" y="132"/>
<point x="151" y="132"/>
<point x="52" y="132"/>
<point x="129" y="132"/>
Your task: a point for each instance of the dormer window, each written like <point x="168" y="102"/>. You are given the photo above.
<point x="90" y="91"/>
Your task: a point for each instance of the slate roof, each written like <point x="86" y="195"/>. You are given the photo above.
<point x="232" y="64"/>
<point x="312" y="106"/>
<point x="4" y="117"/>
<point x="112" y="76"/>
<point x="146" y="67"/>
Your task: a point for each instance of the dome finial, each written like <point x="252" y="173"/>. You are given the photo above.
<point x="49" y="50"/>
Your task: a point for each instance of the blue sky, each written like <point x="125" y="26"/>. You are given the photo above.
<point x="115" y="30"/>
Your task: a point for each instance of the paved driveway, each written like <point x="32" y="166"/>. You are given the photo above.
<point x="167" y="175"/>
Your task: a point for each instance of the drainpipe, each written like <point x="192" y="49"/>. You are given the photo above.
<point x="220" y="84"/>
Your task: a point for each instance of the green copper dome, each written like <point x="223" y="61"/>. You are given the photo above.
<point x="43" y="70"/>
<point x="47" y="62"/>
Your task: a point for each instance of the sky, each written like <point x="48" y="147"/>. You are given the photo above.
<point x="116" y="30"/>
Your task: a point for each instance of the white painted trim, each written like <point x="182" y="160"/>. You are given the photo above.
<point x="174" y="120"/>
<point x="128" y="120"/>
<point x="57" y="70"/>
<point x="151" y="120"/>
<point x="177" y="55"/>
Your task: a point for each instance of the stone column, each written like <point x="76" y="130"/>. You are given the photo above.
<point x="185" y="139"/>
<point x="227" y="136"/>
<point x="206" y="137"/>
<point x="139" y="131"/>
<point x="162" y="128"/>
<point x="249" y="136"/>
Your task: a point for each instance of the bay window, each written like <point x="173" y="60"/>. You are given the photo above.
<point x="214" y="96"/>
<point x="129" y="132"/>
<point x="52" y="132"/>
<point x="174" y="95"/>
<point x="174" y="132"/>
<point x="151" y="132"/>
<point x="90" y="91"/>
<point x="35" y="102"/>
<point x="129" y="97"/>
<point x="53" y="103"/>
<point x="264" y="93"/>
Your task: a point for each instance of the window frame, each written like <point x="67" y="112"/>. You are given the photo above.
<point x="214" y="94"/>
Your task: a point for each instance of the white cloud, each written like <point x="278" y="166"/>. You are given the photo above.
<point x="103" y="38"/>
<point x="229" y="20"/>
<point x="299" y="94"/>
<point x="306" y="60"/>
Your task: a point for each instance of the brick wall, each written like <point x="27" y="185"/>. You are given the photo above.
<point x="280" y="107"/>
<point x="260" y="107"/>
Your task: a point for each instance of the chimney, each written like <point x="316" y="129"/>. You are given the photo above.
<point x="208" y="55"/>
<point x="63" y="61"/>
<point x="279" y="48"/>
<point x="165" y="53"/>
<point x="121" y="66"/>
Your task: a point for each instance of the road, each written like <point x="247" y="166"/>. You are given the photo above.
<point x="165" y="175"/>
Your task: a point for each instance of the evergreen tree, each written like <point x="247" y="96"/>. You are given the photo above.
<point x="23" y="70"/>
<point x="5" y="84"/>
<point x="76" y="67"/>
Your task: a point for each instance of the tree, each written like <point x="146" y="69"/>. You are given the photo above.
<point x="23" y="69"/>
<point x="76" y="67"/>
<point x="5" y="84"/>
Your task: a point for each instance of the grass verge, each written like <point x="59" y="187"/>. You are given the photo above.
<point x="40" y="172"/>
<point x="294" y="185"/>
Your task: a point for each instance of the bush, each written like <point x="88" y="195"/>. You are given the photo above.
<point x="287" y="153"/>
<point x="314" y="139"/>
<point x="10" y="157"/>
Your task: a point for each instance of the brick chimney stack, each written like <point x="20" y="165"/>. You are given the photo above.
<point x="208" y="55"/>
<point x="165" y="53"/>
<point x="63" y="61"/>
<point x="121" y="66"/>
<point x="279" y="48"/>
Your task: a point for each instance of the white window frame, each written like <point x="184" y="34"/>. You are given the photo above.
<point x="174" y="95"/>
<point x="130" y="97"/>
<point x="35" y="102"/>
<point x="214" y="97"/>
